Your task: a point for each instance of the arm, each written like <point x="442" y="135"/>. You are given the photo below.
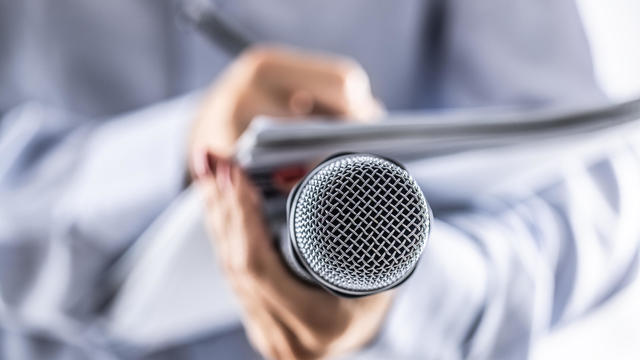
<point x="499" y="276"/>
<point x="75" y="192"/>
<point x="486" y="287"/>
<point x="523" y="265"/>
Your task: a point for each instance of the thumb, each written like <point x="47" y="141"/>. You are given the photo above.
<point x="361" y="105"/>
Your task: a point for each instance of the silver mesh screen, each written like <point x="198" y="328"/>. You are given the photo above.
<point x="360" y="223"/>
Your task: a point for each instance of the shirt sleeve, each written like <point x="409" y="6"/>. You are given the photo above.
<point x="498" y="276"/>
<point x="75" y="192"/>
<point x="506" y="53"/>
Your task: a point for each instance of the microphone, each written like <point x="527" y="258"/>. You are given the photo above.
<point x="356" y="225"/>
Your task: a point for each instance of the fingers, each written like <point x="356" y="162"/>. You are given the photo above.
<point x="248" y="256"/>
<point x="284" y="317"/>
<point x="331" y="84"/>
<point x="256" y="101"/>
<point x="233" y="213"/>
<point x="282" y="83"/>
<point x="210" y="174"/>
<point x="314" y="315"/>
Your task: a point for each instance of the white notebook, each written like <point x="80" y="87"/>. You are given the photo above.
<point x="272" y="142"/>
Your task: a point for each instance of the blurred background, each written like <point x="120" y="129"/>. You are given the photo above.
<point x="613" y="32"/>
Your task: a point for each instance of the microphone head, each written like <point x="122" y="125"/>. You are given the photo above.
<point x="358" y="224"/>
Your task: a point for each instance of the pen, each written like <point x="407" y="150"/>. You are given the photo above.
<point x="204" y="17"/>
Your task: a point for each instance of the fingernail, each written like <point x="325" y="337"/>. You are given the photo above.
<point x="285" y="179"/>
<point x="204" y="164"/>
<point x="212" y="163"/>
<point x="232" y="175"/>
<point x="223" y="174"/>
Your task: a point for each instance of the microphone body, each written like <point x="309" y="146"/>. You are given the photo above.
<point x="356" y="225"/>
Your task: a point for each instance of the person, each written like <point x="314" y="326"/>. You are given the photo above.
<point x="80" y="182"/>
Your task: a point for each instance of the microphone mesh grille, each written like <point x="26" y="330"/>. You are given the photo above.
<point x="361" y="223"/>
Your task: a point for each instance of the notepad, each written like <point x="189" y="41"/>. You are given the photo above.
<point x="279" y="141"/>
<point x="454" y="155"/>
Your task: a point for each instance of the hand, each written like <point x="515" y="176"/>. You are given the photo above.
<point x="276" y="81"/>
<point x="284" y="318"/>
